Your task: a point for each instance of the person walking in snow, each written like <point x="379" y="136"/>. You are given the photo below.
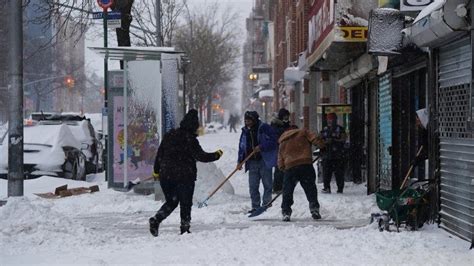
<point x="295" y="159"/>
<point x="260" y="137"/>
<point x="232" y="122"/>
<point x="333" y="157"/>
<point x="280" y="124"/>
<point x="175" y="167"/>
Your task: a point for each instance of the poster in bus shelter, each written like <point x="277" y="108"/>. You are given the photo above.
<point x="142" y="140"/>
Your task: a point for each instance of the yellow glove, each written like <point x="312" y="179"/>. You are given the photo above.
<point x="219" y="153"/>
<point x="156" y="176"/>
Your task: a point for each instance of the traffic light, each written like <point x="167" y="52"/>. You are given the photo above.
<point x="69" y="82"/>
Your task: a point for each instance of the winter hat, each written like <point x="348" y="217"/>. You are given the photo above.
<point x="252" y="115"/>
<point x="331" y="116"/>
<point x="282" y="113"/>
<point x="423" y="116"/>
<point x="190" y="121"/>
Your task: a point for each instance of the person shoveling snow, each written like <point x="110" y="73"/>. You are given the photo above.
<point x="175" y="167"/>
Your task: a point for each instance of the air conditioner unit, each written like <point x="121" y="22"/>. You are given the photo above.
<point x="437" y="22"/>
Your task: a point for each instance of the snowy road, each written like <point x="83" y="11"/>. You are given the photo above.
<point x="110" y="228"/>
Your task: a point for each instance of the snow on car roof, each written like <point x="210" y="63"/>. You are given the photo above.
<point x="80" y="130"/>
<point x="51" y="135"/>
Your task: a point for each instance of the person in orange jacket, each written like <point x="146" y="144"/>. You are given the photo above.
<point x="295" y="159"/>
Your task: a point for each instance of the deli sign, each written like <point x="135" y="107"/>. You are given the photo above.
<point x="321" y="23"/>
<point x="351" y="34"/>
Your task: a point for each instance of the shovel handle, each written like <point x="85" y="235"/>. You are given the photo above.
<point x="411" y="168"/>
<point x="230" y="175"/>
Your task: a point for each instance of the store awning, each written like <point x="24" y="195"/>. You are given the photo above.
<point x="339" y="54"/>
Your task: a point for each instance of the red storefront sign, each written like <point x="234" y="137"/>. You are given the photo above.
<point x="321" y="23"/>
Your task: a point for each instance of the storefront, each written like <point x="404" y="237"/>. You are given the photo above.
<point x="451" y="110"/>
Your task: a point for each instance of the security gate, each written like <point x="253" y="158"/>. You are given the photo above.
<point x="384" y="124"/>
<point x="456" y="138"/>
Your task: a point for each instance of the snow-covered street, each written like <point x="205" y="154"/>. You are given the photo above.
<point x="110" y="228"/>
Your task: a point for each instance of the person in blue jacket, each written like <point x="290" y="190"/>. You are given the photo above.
<point x="260" y="137"/>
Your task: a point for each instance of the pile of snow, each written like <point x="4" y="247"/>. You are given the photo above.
<point x="32" y="222"/>
<point x="208" y="178"/>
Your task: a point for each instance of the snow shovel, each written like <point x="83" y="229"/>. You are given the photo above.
<point x="411" y="168"/>
<point x="262" y="209"/>
<point x="204" y="202"/>
<point x="135" y="182"/>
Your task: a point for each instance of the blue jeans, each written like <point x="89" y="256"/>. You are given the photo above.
<point x="259" y="171"/>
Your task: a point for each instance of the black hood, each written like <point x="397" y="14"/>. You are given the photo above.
<point x="190" y="121"/>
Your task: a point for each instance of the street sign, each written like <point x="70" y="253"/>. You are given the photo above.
<point x="114" y="23"/>
<point x="105" y="4"/>
<point x="110" y="15"/>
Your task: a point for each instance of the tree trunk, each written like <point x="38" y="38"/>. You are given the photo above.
<point x="209" y="107"/>
<point x="123" y="33"/>
<point x="38" y="102"/>
<point x="192" y="104"/>
<point x="200" y="114"/>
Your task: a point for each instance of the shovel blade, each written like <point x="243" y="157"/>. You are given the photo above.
<point x="202" y="204"/>
<point x="258" y="211"/>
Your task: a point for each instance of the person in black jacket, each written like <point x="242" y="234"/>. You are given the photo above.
<point x="334" y="137"/>
<point x="280" y="124"/>
<point x="175" y="166"/>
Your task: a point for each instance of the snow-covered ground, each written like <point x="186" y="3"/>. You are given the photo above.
<point x="110" y="228"/>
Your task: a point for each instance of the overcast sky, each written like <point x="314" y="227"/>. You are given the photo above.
<point x="95" y="63"/>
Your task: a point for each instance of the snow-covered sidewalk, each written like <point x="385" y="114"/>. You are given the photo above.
<point x="110" y="228"/>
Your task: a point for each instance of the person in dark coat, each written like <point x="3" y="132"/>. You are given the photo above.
<point x="232" y="122"/>
<point x="175" y="166"/>
<point x="260" y="137"/>
<point x="280" y="124"/>
<point x="333" y="158"/>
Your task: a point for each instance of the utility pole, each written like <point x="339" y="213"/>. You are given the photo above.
<point x="105" y="5"/>
<point x="158" y="23"/>
<point x="15" y="124"/>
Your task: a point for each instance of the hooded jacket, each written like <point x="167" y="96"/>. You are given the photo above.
<point x="267" y="141"/>
<point x="295" y="148"/>
<point x="179" y="150"/>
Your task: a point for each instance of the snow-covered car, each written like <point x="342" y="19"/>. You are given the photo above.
<point x="82" y="129"/>
<point x="49" y="149"/>
<point x="38" y="116"/>
<point x="213" y="127"/>
<point x="92" y="147"/>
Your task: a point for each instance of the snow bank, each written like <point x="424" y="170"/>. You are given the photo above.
<point x="32" y="222"/>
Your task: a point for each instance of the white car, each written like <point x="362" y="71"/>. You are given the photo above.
<point x="84" y="132"/>
<point x="49" y="149"/>
<point x="213" y="127"/>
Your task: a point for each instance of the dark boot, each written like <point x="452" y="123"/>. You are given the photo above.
<point x="185" y="225"/>
<point x="315" y="214"/>
<point x="154" y="226"/>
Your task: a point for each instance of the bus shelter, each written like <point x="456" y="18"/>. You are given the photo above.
<point x="143" y="103"/>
